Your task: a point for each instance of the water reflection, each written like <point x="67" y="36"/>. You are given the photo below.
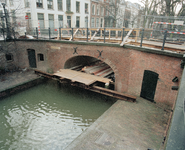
<point x="48" y="117"/>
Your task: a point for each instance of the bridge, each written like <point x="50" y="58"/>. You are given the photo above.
<point x="132" y="66"/>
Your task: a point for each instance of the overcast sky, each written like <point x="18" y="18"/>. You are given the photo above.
<point x="135" y="1"/>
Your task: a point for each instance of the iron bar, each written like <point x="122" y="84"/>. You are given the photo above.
<point x="165" y="34"/>
<point x="87" y="34"/>
<point x="60" y="32"/>
<point x="104" y="34"/>
<point x="49" y="33"/>
<point x="123" y="34"/>
<point x="37" y="32"/>
<point x="142" y="37"/>
<point x="72" y="33"/>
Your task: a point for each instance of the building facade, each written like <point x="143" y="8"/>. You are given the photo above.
<point x="50" y="13"/>
<point x="97" y="14"/>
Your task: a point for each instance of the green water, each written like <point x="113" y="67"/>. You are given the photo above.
<point x="48" y="117"/>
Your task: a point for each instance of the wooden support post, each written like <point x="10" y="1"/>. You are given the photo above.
<point x="137" y="35"/>
<point x="61" y="32"/>
<point x="94" y="34"/>
<point x="104" y="34"/>
<point x="116" y="33"/>
<point x="128" y="34"/>
<point x="109" y="34"/>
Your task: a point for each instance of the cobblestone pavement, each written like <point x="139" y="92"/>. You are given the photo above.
<point x="12" y="79"/>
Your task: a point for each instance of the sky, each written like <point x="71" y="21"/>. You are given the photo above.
<point x="135" y="1"/>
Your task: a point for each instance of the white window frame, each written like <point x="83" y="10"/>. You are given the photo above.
<point x="92" y="23"/>
<point x="93" y="9"/>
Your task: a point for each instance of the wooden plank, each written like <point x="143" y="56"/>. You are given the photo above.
<point x="94" y="34"/>
<point x="115" y="94"/>
<point x="80" y="76"/>
<point x="73" y="35"/>
<point x="137" y="35"/>
<point x="124" y="40"/>
<point x="109" y="34"/>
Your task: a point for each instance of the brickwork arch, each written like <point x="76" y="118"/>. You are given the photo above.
<point x="82" y="59"/>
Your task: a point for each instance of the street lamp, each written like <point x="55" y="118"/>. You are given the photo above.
<point x="7" y="24"/>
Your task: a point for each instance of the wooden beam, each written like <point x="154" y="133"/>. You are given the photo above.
<point x="94" y="34"/>
<point x="73" y="35"/>
<point x="124" y="40"/>
<point x="112" y="93"/>
<point x="109" y="34"/>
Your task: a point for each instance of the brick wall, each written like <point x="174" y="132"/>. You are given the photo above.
<point x="127" y="64"/>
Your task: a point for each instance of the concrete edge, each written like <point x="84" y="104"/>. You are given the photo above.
<point x="176" y="133"/>
<point x="77" y="140"/>
<point x="20" y="87"/>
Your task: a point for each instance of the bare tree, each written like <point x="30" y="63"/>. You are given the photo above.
<point x="114" y="12"/>
<point x="181" y="11"/>
<point x="151" y="7"/>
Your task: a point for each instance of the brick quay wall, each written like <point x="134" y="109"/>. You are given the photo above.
<point x="128" y="63"/>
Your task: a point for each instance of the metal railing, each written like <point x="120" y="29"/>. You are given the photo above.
<point x="139" y="37"/>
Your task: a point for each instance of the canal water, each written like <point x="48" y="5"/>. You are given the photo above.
<point x="48" y="117"/>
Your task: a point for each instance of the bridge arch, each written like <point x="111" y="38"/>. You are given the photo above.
<point x="82" y="61"/>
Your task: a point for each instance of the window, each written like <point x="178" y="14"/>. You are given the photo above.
<point x="86" y="8"/>
<point x="98" y="10"/>
<point x="60" y="5"/>
<point x="39" y="4"/>
<point x="29" y="15"/>
<point x="9" y="57"/>
<point x="93" y="10"/>
<point x="69" y="21"/>
<point x="102" y="13"/>
<point x="40" y="16"/>
<point x="41" y="20"/>
<point x="60" y="21"/>
<point x="2" y="19"/>
<point x="77" y="22"/>
<point x="50" y="4"/>
<point x="40" y="57"/>
<point x="11" y="2"/>
<point x="97" y="22"/>
<point x="86" y="22"/>
<point x="68" y="5"/>
<point x="27" y="4"/>
<point x="92" y="22"/>
<point x="13" y="16"/>
<point x="106" y="11"/>
<point x="77" y="7"/>
<point x="101" y="23"/>
<point x="51" y="20"/>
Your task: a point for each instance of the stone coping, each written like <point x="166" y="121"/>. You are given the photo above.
<point x="143" y="49"/>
